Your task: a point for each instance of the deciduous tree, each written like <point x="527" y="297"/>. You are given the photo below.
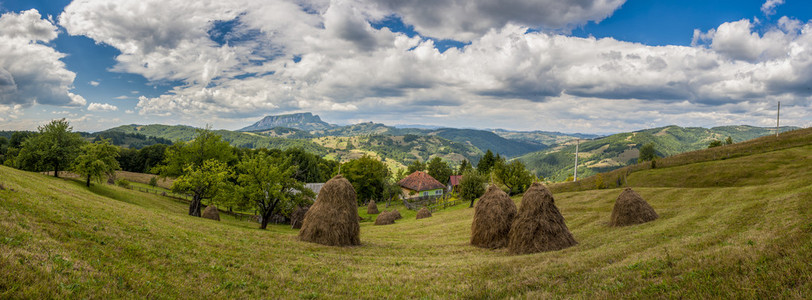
<point x="513" y="175"/>
<point x="267" y="183"/>
<point x="440" y="170"/>
<point x="54" y="148"/>
<point x="368" y="176"/>
<point x="472" y="185"/>
<point x="647" y="152"/>
<point x="97" y="160"/>
<point x="203" y="182"/>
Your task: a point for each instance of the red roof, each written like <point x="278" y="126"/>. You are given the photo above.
<point x="455" y="180"/>
<point x="419" y="181"/>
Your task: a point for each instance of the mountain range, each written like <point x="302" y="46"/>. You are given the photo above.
<point x="546" y="154"/>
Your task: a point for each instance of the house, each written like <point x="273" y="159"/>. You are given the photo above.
<point x="420" y="184"/>
<point x="454" y="183"/>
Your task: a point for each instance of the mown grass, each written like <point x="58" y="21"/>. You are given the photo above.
<point x="748" y="238"/>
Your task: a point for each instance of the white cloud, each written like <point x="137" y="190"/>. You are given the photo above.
<point x="101" y="107"/>
<point x="349" y="70"/>
<point x="93" y="83"/>
<point x="30" y="71"/>
<point x="768" y="8"/>
<point x="122" y="97"/>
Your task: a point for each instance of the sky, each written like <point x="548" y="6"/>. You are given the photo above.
<point x="590" y="66"/>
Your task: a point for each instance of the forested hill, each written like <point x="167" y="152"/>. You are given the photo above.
<point x="618" y="150"/>
<point x="237" y="139"/>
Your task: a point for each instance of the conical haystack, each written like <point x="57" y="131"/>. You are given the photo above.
<point x="372" y="208"/>
<point x="631" y="209"/>
<point x="385" y="218"/>
<point x="423" y="213"/>
<point x="333" y="219"/>
<point x="397" y="214"/>
<point x="297" y="216"/>
<point x="211" y="213"/>
<point x="493" y="216"/>
<point x="539" y="225"/>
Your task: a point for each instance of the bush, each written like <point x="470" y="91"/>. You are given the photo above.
<point x="153" y="181"/>
<point x="599" y="182"/>
<point x="123" y="183"/>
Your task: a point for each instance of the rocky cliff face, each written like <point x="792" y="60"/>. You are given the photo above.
<point x="303" y="121"/>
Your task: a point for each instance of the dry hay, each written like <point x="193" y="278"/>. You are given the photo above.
<point x="386" y="218"/>
<point x="211" y="213"/>
<point x="333" y="219"/>
<point x="372" y="208"/>
<point x="397" y="214"/>
<point x="631" y="209"/>
<point x="493" y="216"/>
<point x="539" y="226"/>
<point x="297" y="216"/>
<point x="423" y="213"/>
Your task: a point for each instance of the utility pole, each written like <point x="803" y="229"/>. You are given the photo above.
<point x="575" y="176"/>
<point x="778" y="119"/>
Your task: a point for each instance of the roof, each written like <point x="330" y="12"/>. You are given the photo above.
<point x="419" y="181"/>
<point x="455" y="180"/>
<point x="315" y="187"/>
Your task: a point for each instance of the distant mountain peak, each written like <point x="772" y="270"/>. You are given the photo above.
<point x="303" y="121"/>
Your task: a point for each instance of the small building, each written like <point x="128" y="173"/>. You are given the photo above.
<point x="420" y="185"/>
<point x="454" y="183"/>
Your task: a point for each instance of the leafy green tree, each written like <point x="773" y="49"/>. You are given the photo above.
<point x="416" y="165"/>
<point x="206" y="146"/>
<point x="647" y="152"/>
<point x="97" y="160"/>
<point x="368" y="176"/>
<point x="513" y="175"/>
<point x="440" y="170"/>
<point x="153" y="181"/>
<point x="729" y="140"/>
<point x="486" y="162"/>
<point x="268" y="184"/>
<point x="472" y="185"/>
<point x="54" y="148"/>
<point x="714" y="143"/>
<point x="204" y="182"/>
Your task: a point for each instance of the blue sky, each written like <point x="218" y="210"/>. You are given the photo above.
<point x="608" y="66"/>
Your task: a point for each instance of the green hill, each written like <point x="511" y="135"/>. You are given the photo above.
<point x="485" y="140"/>
<point x="237" y="139"/>
<point x="618" y="150"/>
<point x="742" y="231"/>
<point x="546" y="138"/>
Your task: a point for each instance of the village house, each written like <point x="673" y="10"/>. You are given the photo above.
<point x="419" y="185"/>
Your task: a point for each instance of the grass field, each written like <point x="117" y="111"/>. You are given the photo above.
<point x="739" y="227"/>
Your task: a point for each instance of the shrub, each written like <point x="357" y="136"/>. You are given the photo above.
<point x="123" y="183"/>
<point x="153" y="181"/>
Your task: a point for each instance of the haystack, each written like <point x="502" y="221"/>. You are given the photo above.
<point x="631" y="209"/>
<point x="423" y="213"/>
<point x="397" y="214"/>
<point x="539" y="225"/>
<point x="211" y="213"/>
<point x="333" y="219"/>
<point x="297" y="216"/>
<point x="372" y="208"/>
<point x="493" y="216"/>
<point x="386" y="218"/>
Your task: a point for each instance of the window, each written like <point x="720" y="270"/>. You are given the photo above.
<point x="438" y="192"/>
<point x="425" y="193"/>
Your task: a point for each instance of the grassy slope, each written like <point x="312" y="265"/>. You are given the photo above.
<point x="615" y="151"/>
<point x="740" y="238"/>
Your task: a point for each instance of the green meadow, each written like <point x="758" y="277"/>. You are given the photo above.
<point x="738" y="227"/>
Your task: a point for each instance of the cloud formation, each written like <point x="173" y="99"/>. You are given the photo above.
<point x="768" y="8"/>
<point x="31" y="71"/>
<point x="101" y="107"/>
<point x="243" y="58"/>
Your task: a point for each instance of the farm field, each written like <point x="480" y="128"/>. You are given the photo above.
<point x="739" y="228"/>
